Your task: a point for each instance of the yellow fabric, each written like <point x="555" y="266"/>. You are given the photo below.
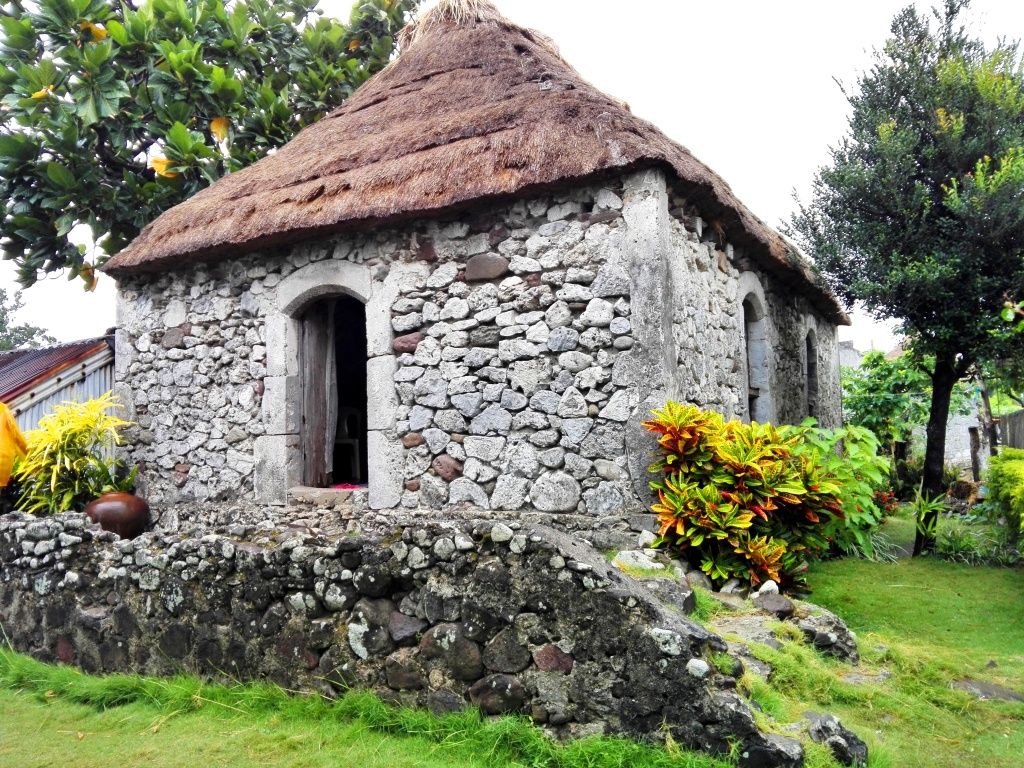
<point x="12" y="444"/>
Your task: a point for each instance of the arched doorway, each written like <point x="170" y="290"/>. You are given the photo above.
<point x="334" y="408"/>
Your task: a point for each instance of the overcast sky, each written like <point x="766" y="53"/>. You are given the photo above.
<point x="747" y="86"/>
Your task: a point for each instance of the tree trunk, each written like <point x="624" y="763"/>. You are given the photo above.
<point x="943" y="380"/>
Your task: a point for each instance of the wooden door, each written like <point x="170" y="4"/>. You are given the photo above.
<point x="319" y="397"/>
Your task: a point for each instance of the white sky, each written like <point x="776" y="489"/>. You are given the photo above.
<point x="746" y="85"/>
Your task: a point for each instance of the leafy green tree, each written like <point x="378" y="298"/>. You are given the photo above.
<point x="1014" y="313"/>
<point x="112" y="113"/>
<point x="920" y="215"/>
<point x="15" y="336"/>
<point x="889" y="397"/>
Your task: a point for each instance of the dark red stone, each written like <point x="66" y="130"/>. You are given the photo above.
<point x="405" y="629"/>
<point x="65" y="651"/>
<point x="497" y="235"/>
<point x="533" y="279"/>
<point x="412" y="485"/>
<point x="498" y="694"/>
<point x="486" y="266"/>
<point x="446" y="467"/>
<point x="601" y="217"/>
<point x="408" y="342"/>
<point x="412" y="439"/>
<point x="426" y="251"/>
<point x="551" y="658"/>
<point x="402" y="673"/>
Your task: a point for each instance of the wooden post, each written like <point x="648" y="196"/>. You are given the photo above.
<point x="975" y="453"/>
<point x="991" y="430"/>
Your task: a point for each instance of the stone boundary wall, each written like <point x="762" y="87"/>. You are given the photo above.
<point x="1012" y="428"/>
<point x="507" y="616"/>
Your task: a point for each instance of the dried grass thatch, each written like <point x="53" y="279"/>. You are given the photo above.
<point x="474" y="108"/>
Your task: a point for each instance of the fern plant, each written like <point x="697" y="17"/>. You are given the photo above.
<point x="69" y="459"/>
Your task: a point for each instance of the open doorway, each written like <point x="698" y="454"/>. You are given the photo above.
<point x="334" y="392"/>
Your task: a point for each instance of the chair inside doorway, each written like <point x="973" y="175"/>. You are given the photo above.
<point x="334" y="393"/>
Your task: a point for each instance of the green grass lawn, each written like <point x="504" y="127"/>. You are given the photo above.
<point x="36" y="733"/>
<point x="927" y="622"/>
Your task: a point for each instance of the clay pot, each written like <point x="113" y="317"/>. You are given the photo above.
<point x="125" y="514"/>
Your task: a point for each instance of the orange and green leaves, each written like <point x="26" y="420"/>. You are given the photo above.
<point x="754" y="501"/>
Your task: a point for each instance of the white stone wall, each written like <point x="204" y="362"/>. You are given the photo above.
<point x="512" y="354"/>
<point x="710" y="280"/>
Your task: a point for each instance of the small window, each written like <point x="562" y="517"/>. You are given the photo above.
<point x="758" y="360"/>
<point x="811" y="372"/>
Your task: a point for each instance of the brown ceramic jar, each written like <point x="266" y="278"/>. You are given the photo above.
<point x="125" y="514"/>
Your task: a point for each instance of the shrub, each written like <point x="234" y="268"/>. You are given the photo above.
<point x="914" y="474"/>
<point x="969" y="542"/>
<point x="756" y="501"/>
<point x="69" y="458"/>
<point x="1005" y="481"/>
<point x="886" y="500"/>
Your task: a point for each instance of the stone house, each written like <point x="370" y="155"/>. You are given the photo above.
<point x="467" y="285"/>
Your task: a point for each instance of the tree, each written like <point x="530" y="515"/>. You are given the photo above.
<point x="112" y="113"/>
<point x="15" y="336"/>
<point x="920" y="215"/>
<point x="889" y="397"/>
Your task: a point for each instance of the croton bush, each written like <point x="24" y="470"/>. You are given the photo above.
<point x="758" y="501"/>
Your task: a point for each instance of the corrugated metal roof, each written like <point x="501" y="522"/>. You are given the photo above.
<point x="20" y="369"/>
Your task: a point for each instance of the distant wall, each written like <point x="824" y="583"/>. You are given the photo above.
<point x="1011" y="429"/>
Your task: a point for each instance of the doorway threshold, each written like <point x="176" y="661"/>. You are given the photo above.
<point x="322" y="497"/>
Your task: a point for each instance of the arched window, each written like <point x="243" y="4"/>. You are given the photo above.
<point x="755" y="331"/>
<point x="811" y="372"/>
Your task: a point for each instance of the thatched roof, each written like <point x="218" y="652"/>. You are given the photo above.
<point x="474" y="108"/>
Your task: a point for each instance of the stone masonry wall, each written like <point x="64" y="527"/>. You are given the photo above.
<point x="513" y="353"/>
<point x="708" y="329"/>
<point x="508" y="618"/>
<point x="502" y="356"/>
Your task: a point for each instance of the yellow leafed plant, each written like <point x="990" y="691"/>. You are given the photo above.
<point x="12" y="444"/>
<point x="69" y="457"/>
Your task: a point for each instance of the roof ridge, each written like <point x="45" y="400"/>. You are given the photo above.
<point x="457" y="12"/>
<point x="58" y="345"/>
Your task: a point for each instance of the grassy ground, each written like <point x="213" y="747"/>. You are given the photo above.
<point x="927" y="622"/>
<point x="56" y="716"/>
<point x="36" y="733"/>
